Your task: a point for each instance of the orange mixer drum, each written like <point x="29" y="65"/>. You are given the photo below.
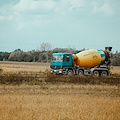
<point x="90" y="58"/>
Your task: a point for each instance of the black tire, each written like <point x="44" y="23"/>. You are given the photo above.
<point x="104" y="73"/>
<point x="96" y="73"/>
<point x="80" y="72"/>
<point x="70" y="72"/>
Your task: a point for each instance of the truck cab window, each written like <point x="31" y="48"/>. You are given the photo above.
<point x="57" y="58"/>
<point x="54" y="58"/>
<point x="66" y="58"/>
<point x="60" y="58"/>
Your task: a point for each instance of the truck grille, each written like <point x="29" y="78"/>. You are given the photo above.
<point x="55" y="67"/>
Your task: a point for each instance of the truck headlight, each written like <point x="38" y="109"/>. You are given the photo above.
<point x="60" y="71"/>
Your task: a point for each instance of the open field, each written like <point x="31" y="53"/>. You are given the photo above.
<point x="9" y="66"/>
<point x="115" y="70"/>
<point x="59" y="100"/>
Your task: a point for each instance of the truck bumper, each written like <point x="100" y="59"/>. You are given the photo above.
<point x="60" y="71"/>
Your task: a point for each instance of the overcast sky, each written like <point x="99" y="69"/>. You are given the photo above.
<point x="25" y="24"/>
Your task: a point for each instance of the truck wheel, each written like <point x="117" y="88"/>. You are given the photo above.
<point x="96" y="73"/>
<point x="80" y="72"/>
<point x="70" y="72"/>
<point x="104" y="73"/>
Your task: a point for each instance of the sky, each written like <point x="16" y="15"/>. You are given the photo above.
<point x="78" y="24"/>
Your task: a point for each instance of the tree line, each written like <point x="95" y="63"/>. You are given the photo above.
<point x="45" y="54"/>
<point x="32" y="56"/>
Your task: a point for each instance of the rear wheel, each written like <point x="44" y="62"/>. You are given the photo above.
<point x="96" y="73"/>
<point x="70" y="72"/>
<point x="80" y="72"/>
<point x="104" y="73"/>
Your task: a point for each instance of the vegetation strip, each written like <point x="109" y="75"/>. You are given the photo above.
<point x="41" y="77"/>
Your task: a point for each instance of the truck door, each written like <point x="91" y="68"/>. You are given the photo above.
<point x="67" y="61"/>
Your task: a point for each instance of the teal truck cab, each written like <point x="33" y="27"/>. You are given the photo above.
<point x="61" y="62"/>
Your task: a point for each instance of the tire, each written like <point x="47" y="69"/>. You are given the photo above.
<point x="104" y="73"/>
<point x="96" y="73"/>
<point x="70" y="72"/>
<point x="80" y="72"/>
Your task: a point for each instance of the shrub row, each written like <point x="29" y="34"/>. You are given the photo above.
<point x="40" y="78"/>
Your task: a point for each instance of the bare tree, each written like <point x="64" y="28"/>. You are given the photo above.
<point x="45" y="47"/>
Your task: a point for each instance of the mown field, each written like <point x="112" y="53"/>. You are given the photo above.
<point x="47" y="100"/>
<point x="15" y="67"/>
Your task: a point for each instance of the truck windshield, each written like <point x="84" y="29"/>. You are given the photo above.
<point x="58" y="58"/>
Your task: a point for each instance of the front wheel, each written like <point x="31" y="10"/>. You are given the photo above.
<point x="70" y="72"/>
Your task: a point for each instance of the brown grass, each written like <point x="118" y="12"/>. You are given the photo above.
<point x="16" y="67"/>
<point x="60" y="102"/>
<point x="115" y="70"/>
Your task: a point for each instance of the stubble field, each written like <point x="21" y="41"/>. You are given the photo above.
<point x="57" y="101"/>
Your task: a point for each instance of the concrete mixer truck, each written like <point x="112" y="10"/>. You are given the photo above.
<point x="88" y="62"/>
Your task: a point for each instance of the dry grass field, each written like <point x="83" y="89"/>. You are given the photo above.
<point x="115" y="70"/>
<point x="58" y="101"/>
<point x="15" y="67"/>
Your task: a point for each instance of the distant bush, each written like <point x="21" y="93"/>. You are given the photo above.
<point x="116" y="59"/>
<point x="4" y="56"/>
